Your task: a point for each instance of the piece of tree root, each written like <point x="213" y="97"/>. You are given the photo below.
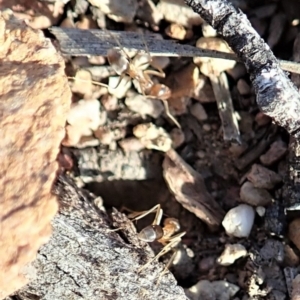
<point x="277" y="97"/>
<point x="85" y="259"/>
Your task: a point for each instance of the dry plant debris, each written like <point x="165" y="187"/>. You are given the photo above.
<point x="35" y="98"/>
<point x="237" y="202"/>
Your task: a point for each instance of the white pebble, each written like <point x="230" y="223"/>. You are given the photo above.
<point x="260" y="211"/>
<point x="239" y="220"/>
<point x="231" y="253"/>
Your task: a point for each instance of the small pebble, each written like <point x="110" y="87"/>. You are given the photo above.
<point x="261" y="211"/>
<point x="277" y="150"/>
<point x="178" y="32"/>
<point x="118" y="89"/>
<point x="262" y="177"/>
<point x="243" y="87"/>
<point x="207" y="263"/>
<point x="177" y="136"/>
<point x="231" y="253"/>
<point x="144" y="106"/>
<point x="175" y="12"/>
<point x="206" y="127"/>
<point x="294" y="232"/>
<point x="254" y="196"/>
<point x="208" y="31"/>
<point x="198" y="111"/>
<point x="109" y="102"/>
<point x="261" y="119"/>
<point x="131" y="144"/>
<point x="215" y="290"/>
<point x="290" y="256"/>
<point x="239" y="220"/>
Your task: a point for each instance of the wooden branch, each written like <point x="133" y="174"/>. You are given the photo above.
<point x="85" y="259"/>
<point x="277" y="97"/>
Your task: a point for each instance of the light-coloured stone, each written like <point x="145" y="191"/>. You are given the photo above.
<point x="35" y="98"/>
<point x="231" y="253"/>
<point x="239" y="220"/>
<point x="254" y="196"/>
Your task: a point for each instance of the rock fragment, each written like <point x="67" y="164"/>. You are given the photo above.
<point x="277" y="150"/>
<point x="262" y="177"/>
<point x="231" y="253"/>
<point x="206" y="290"/>
<point x="254" y="196"/>
<point x="35" y="98"/>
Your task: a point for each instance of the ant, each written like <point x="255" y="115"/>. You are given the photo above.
<point x="124" y="65"/>
<point x="162" y="234"/>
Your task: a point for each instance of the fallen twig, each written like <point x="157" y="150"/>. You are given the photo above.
<point x="78" y="42"/>
<point x="277" y="97"/>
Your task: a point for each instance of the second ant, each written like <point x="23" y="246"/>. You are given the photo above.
<point x="166" y="234"/>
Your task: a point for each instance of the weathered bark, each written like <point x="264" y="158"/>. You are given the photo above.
<point x="277" y="97"/>
<point x="85" y="259"/>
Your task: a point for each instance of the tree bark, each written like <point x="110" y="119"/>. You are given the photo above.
<point x="85" y="259"/>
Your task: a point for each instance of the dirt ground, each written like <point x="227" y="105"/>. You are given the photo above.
<point x="106" y="156"/>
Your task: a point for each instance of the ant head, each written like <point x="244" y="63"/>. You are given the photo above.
<point x="161" y="91"/>
<point x="151" y="233"/>
<point x="172" y="222"/>
<point x="118" y="61"/>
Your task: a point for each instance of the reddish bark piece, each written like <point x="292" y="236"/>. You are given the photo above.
<point x="34" y="101"/>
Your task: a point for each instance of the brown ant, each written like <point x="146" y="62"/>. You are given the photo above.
<point x="162" y="234"/>
<point x="124" y="65"/>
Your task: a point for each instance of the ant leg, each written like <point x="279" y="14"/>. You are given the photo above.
<point x="91" y="81"/>
<point x="121" y="77"/>
<point x="173" y="241"/>
<point x="166" y="104"/>
<point x="142" y="214"/>
<point x="166" y="268"/>
<point x="159" y="73"/>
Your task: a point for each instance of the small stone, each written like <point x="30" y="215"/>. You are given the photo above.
<point x="109" y="102"/>
<point x="261" y="119"/>
<point x="198" y="111"/>
<point x="206" y="127"/>
<point x="231" y="253"/>
<point x="243" y="87"/>
<point x="105" y="136"/>
<point x="82" y="83"/>
<point x="119" y="88"/>
<point x="277" y="150"/>
<point x="290" y="256"/>
<point x="208" y="31"/>
<point x="131" y="144"/>
<point x="207" y="263"/>
<point x="262" y="177"/>
<point x="203" y="91"/>
<point x="206" y="290"/>
<point x="160" y="62"/>
<point x="254" y="196"/>
<point x="178" y="32"/>
<point x="144" y="106"/>
<point x="261" y="211"/>
<point x="294" y="232"/>
<point x="239" y="220"/>
<point x="216" y="64"/>
<point x="177" y="136"/>
<point x="116" y="10"/>
<point x="238" y="71"/>
<point x="153" y="137"/>
<point x="176" y="12"/>
<point x="272" y="250"/>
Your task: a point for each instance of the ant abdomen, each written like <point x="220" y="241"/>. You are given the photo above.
<point x="118" y="61"/>
<point x="160" y="91"/>
<point x="151" y="233"/>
